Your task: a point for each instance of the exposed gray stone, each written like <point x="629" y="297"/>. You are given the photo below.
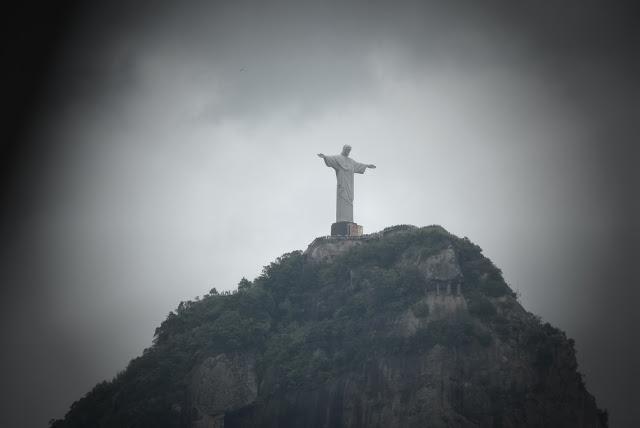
<point x="221" y="384"/>
<point x="442" y="266"/>
<point x="326" y="249"/>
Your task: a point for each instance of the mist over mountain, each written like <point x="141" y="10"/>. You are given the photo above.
<point x="407" y="327"/>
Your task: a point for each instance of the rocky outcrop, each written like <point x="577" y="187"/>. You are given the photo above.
<point x="441" y="266"/>
<point x="328" y="248"/>
<point x="221" y="384"/>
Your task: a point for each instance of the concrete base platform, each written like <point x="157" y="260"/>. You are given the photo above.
<point x="346" y="228"/>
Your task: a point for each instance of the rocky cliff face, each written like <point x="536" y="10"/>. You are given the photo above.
<point x="222" y="384"/>
<point x="407" y="327"/>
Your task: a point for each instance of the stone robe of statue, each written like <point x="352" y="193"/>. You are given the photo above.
<point x="345" y="167"/>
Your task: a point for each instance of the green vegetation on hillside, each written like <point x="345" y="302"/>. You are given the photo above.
<point x="307" y="323"/>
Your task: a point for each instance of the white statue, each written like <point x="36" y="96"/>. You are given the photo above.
<point x="345" y="167"/>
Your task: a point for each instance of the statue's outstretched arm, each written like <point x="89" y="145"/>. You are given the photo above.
<point x="320" y="155"/>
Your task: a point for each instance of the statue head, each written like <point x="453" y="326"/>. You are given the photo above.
<point x="346" y="149"/>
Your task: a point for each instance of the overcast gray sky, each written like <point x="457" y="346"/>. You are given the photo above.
<point x="176" y="152"/>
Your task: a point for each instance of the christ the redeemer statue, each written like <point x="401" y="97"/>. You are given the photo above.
<point x="345" y="167"/>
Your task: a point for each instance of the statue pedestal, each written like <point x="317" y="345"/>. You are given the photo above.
<point x="346" y="228"/>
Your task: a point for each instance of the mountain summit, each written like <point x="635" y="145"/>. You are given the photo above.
<point x="408" y="327"/>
